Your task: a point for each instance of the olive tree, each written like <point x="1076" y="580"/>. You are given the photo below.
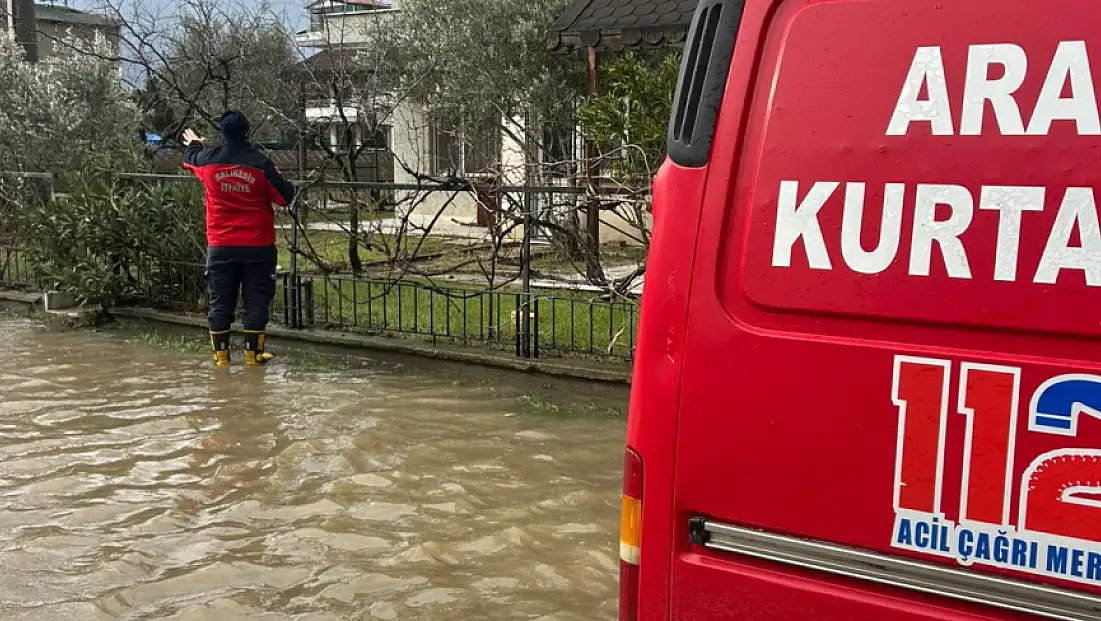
<point x="56" y="116"/>
<point x="487" y="59"/>
<point x="56" y="113"/>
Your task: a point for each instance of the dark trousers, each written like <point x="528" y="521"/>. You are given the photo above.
<point x="249" y="272"/>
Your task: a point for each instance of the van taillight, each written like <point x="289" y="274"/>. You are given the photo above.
<point x="630" y="536"/>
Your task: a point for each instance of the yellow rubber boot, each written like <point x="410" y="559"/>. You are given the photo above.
<point x="254" y="349"/>
<point x="219" y="342"/>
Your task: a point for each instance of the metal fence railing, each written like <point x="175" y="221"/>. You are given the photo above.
<point x="402" y="297"/>
<point x="175" y="285"/>
<point x="17" y="191"/>
<point x="558" y="324"/>
<point x="16" y="271"/>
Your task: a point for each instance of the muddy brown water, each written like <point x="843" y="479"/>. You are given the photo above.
<point x="138" y="483"/>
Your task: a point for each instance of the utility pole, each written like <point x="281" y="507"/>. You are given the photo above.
<point x="525" y="248"/>
<point x="297" y="211"/>
<point x="21" y="21"/>
<point x="592" y="214"/>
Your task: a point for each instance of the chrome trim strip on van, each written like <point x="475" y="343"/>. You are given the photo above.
<point x="974" y="587"/>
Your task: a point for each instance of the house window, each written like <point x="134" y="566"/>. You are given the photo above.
<point x="447" y="154"/>
<point x="559" y="147"/>
<point x="333" y="136"/>
<point x="345" y="136"/>
<point x="337" y="7"/>
<point x="380" y="140"/>
<point x="458" y="152"/>
<point x="482" y="149"/>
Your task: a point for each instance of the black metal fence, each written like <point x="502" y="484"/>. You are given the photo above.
<point x="16" y="269"/>
<point x="521" y="317"/>
<point x="558" y="323"/>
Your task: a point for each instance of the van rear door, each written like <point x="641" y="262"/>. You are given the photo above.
<point x="891" y="397"/>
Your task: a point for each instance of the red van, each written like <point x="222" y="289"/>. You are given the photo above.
<point x="868" y="385"/>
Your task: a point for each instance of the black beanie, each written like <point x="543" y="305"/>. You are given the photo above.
<point x="234" y="126"/>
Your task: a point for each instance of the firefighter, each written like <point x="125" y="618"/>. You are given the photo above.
<point x="241" y="185"/>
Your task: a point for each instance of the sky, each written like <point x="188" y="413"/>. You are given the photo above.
<point x="292" y="9"/>
<point x="295" y="17"/>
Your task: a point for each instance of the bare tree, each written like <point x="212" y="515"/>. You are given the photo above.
<point x="487" y="61"/>
<point x="347" y="95"/>
<point x="355" y="92"/>
<point x="202" y="57"/>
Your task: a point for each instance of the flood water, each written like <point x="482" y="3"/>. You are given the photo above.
<point x="140" y="483"/>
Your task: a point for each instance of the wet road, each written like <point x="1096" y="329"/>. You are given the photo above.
<point x="137" y="483"/>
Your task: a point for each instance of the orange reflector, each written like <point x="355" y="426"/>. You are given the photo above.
<point x="630" y="536"/>
<point x="630" y="530"/>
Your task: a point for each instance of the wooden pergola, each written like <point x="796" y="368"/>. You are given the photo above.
<point x="599" y="27"/>
<point x="602" y="27"/>
<point x="614" y="25"/>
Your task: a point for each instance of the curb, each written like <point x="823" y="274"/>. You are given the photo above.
<point x="36" y="304"/>
<point x="30" y="299"/>
<point x="607" y="373"/>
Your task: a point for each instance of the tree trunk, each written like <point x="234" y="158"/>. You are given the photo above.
<point x="354" y="260"/>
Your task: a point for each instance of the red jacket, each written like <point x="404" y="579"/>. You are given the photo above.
<point x="240" y="184"/>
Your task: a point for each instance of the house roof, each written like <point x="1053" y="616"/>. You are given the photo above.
<point x="66" y="15"/>
<point x="620" y="24"/>
<point x="322" y="62"/>
<point x="327" y="60"/>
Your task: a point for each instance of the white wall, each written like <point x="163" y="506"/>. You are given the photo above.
<point x="412" y="147"/>
<point x="348" y="30"/>
<point x="615" y="229"/>
<point x="513" y="156"/>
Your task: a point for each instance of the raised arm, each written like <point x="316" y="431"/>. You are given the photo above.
<point x="284" y="190"/>
<point x="195" y="155"/>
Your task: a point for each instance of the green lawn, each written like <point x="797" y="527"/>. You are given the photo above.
<point x="331" y="247"/>
<point x="548" y="261"/>
<point x="335" y="216"/>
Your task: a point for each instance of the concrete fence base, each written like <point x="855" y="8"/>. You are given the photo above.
<point x="578" y="369"/>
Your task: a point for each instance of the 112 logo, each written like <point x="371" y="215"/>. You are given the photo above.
<point x="1059" y="491"/>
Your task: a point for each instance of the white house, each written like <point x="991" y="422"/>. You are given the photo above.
<point x="423" y="148"/>
<point x="419" y="146"/>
